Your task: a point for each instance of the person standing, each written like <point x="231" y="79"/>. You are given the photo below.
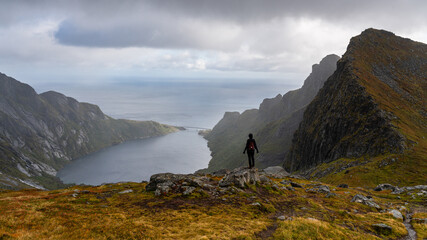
<point x="250" y="149"/>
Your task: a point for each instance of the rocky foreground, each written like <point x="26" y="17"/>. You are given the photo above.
<point x="242" y="204"/>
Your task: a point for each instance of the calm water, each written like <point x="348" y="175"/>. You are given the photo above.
<point x="199" y="105"/>
<point x="181" y="152"/>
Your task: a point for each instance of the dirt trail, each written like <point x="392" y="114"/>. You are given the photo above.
<point x="412" y="235"/>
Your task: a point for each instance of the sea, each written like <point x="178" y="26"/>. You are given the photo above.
<point x="195" y="105"/>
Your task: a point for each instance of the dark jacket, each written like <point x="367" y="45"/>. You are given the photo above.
<point x="247" y="145"/>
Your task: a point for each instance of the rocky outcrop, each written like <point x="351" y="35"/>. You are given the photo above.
<point x="275" y="171"/>
<point x="240" y="177"/>
<point x="368" y="106"/>
<point x="396" y="214"/>
<point x="359" y="198"/>
<point x="384" y="186"/>
<point x="39" y="133"/>
<point x="318" y="188"/>
<point x="273" y="125"/>
<point x="382" y="228"/>
<point x="165" y="183"/>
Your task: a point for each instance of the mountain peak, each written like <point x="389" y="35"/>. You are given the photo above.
<point x="11" y="87"/>
<point x="371" y="108"/>
<point x="329" y="59"/>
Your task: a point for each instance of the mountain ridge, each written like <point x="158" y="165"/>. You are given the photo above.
<point x="272" y="124"/>
<point x="39" y="133"/>
<point x="369" y="115"/>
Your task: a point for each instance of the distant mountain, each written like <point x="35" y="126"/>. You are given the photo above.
<point x="273" y="124"/>
<point x="39" y="133"/>
<point x="368" y="124"/>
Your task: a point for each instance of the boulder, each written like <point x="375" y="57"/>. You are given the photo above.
<point x="396" y="214"/>
<point x="285" y="182"/>
<point x="297" y="176"/>
<point x="382" y="228"/>
<point x="221" y="172"/>
<point x="126" y="191"/>
<point x="161" y="178"/>
<point x="276" y="172"/>
<point x="239" y="177"/>
<point x="264" y="179"/>
<point x="398" y="190"/>
<point x="170" y="179"/>
<point x="384" y="186"/>
<point x="401" y="190"/>
<point x="164" y="183"/>
<point x="163" y="188"/>
<point x="296" y="185"/>
<point x="421" y="187"/>
<point x="329" y="195"/>
<point x="359" y="198"/>
<point x="422" y="193"/>
<point x="188" y="190"/>
<point x="419" y="220"/>
<point x="319" y="189"/>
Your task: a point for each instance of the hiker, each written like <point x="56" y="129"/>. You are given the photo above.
<point x="250" y="148"/>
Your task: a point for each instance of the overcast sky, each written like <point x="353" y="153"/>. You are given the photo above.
<point x="101" y="41"/>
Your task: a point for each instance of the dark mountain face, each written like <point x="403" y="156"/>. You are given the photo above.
<point x="40" y="133"/>
<point x="370" y="112"/>
<point x="273" y="124"/>
<point x="295" y="100"/>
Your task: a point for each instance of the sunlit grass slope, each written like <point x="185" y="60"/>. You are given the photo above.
<point x="111" y="212"/>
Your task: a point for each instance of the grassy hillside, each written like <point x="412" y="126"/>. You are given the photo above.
<point x="261" y="211"/>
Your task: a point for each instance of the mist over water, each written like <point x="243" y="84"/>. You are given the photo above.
<point x="189" y="104"/>
<point x="195" y="104"/>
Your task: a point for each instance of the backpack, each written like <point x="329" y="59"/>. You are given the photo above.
<point x="251" y="145"/>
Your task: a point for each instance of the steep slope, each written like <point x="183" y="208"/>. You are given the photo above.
<point x="40" y="133"/>
<point x="368" y="123"/>
<point x="273" y="124"/>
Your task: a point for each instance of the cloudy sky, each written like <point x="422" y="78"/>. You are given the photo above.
<point x="100" y="41"/>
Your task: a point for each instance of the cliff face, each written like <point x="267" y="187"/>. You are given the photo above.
<point x="371" y="110"/>
<point x="279" y="107"/>
<point x="273" y="124"/>
<point x="40" y="133"/>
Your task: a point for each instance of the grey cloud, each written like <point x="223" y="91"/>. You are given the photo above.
<point x="198" y="24"/>
<point x="247" y="35"/>
<point x="249" y="11"/>
<point x="152" y="33"/>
